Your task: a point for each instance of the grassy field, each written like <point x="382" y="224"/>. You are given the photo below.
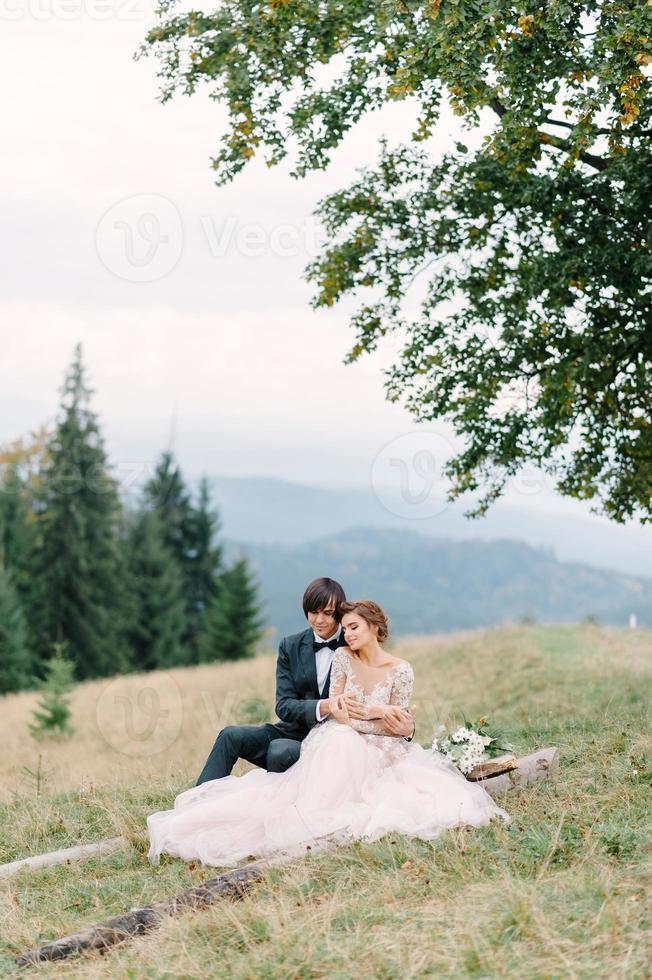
<point x="563" y="891"/>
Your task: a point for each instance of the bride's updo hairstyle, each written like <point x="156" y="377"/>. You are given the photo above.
<point x="369" y="611"/>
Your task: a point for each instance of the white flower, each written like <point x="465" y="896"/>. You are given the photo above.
<point x="464" y="747"/>
<point x="466" y="763"/>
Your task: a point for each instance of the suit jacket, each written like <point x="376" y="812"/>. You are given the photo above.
<point x="297" y="692"/>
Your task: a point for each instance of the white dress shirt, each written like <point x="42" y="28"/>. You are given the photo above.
<point x="323" y="660"/>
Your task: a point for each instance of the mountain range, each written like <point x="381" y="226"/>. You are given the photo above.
<point x="428" y="584"/>
<point x="261" y="510"/>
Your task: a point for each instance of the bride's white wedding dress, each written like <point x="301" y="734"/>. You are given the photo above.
<point x="349" y="783"/>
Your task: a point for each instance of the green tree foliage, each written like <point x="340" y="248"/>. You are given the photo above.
<point x="190" y="531"/>
<point x="204" y="564"/>
<point x="233" y="623"/>
<point x="52" y="715"/>
<point x="16" y="527"/>
<point x="166" y="493"/>
<point x="15" y="653"/>
<point x="156" y="591"/>
<point x="538" y="235"/>
<point x="77" y="559"/>
<point x="120" y="589"/>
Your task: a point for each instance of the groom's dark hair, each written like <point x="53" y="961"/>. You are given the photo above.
<point x="320" y="592"/>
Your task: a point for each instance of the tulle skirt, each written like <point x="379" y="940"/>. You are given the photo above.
<point x="345" y="786"/>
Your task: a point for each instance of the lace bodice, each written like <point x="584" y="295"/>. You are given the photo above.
<point x="394" y="687"/>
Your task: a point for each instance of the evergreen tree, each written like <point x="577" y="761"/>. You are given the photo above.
<point x="77" y="561"/>
<point x="233" y="624"/>
<point x="15" y="654"/>
<point x="204" y="564"/>
<point x="189" y="532"/>
<point x="16" y="529"/>
<point x="52" y="715"/>
<point x="158" y="612"/>
<point x="166" y="493"/>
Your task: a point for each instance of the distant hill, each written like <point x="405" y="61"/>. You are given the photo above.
<point x="432" y="584"/>
<point x="266" y="511"/>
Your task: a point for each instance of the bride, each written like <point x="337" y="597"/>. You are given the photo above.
<point x="349" y="783"/>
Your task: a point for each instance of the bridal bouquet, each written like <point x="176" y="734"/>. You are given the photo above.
<point x="472" y="743"/>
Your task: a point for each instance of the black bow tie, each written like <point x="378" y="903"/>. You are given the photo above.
<point x="331" y="644"/>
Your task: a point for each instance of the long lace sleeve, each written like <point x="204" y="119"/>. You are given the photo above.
<point x="401" y="694"/>
<point x="338" y="672"/>
<point x="368" y="727"/>
<point x="403" y="686"/>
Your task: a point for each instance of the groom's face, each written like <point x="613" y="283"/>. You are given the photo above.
<point x="323" y="621"/>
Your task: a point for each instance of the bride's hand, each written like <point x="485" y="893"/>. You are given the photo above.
<point x="356" y="708"/>
<point x="400" y="721"/>
<point x="370" y="712"/>
<point x="339" y="710"/>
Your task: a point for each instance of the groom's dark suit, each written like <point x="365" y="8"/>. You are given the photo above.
<point x="275" y="746"/>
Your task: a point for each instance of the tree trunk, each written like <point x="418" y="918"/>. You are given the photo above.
<point x="64" y="855"/>
<point x="530" y="769"/>
<point x="232" y="884"/>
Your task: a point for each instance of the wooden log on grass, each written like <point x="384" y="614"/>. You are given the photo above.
<point x="529" y="769"/>
<point x="232" y="884"/>
<point x="63" y="856"/>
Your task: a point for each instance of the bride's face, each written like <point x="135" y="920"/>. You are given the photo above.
<point x="357" y="631"/>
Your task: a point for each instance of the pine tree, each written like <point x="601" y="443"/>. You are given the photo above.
<point x="77" y="561"/>
<point x="204" y="565"/>
<point x="156" y="589"/>
<point x="189" y="532"/>
<point x="52" y="715"/>
<point x="16" y="529"/>
<point x="16" y="661"/>
<point x="233" y="624"/>
<point x="166" y="493"/>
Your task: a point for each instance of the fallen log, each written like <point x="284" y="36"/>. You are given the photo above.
<point x="530" y="769"/>
<point x="230" y="885"/>
<point x="101" y="937"/>
<point x="64" y="855"/>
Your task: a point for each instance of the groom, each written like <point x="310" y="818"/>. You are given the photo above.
<point x="302" y="685"/>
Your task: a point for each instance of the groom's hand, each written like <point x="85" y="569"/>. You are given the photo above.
<point x="339" y="709"/>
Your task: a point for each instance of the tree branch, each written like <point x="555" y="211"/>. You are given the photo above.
<point x="560" y="122"/>
<point x="556" y="141"/>
<point x="589" y="158"/>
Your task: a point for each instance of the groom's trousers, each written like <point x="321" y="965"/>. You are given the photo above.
<point x="263" y="745"/>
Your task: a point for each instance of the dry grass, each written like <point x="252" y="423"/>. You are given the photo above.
<point x="133" y="727"/>
<point x="563" y="891"/>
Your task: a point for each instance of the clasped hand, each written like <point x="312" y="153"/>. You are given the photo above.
<point x="397" y="721"/>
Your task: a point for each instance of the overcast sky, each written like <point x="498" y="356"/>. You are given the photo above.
<point x="187" y="298"/>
